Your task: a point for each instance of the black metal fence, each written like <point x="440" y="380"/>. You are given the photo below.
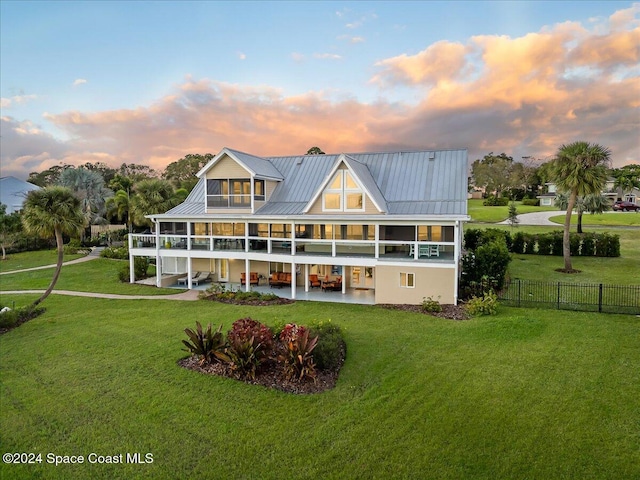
<point x="590" y="297"/>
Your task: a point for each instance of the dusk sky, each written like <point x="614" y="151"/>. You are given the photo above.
<point x="149" y="82"/>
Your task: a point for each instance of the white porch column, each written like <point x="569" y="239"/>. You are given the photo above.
<point x="189" y="239"/>
<point x="247" y="267"/>
<point x="456" y="259"/>
<point x="246" y="236"/>
<point x="293" y="281"/>
<point x="306" y="277"/>
<point x="344" y="279"/>
<point x="132" y="275"/>
<point x="158" y="258"/>
<point x="376" y="240"/>
<point x="293" y="238"/>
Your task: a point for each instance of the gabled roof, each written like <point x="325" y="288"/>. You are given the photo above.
<point x="257" y="166"/>
<point x="361" y="175"/>
<point x="13" y="192"/>
<point x="400" y="183"/>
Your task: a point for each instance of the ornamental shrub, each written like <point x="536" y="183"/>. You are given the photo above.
<point x="518" y="244"/>
<point x="431" y="305"/>
<point x="13" y="317"/>
<point x="574" y="244"/>
<point x="205" y="343"/>
<point x="119" y="253"/>
<point x="297" y="357"/>
<point x="557" y="243"/>
<point x="532" y="202"/>
<point x="485" y="305"/>
<point x="545" y="240"/>
<point x="331" y="347"/>
<point x="493" y="201"/>
<point x="588" y="246"/>
<point x="530" y="243"/>
<point x="249" y="344"/>
<point x="472" y="238"/>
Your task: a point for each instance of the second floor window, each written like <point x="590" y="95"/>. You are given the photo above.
<point x="234" y="193"/>
<point x="343" y="194"/>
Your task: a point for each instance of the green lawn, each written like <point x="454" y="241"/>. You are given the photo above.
<point x="630" y="219"/>
<point x="622" y="270"/>
<point x="18" y="261"/>
<point x="99" y="275"/>
<point x="527" y="394"/>
<point x="482" y="214"/>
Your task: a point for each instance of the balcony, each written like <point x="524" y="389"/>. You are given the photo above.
<point x="387" y="250"/>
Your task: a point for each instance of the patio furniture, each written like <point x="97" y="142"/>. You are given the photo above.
<point x="280" y="279"/>
<point x="434" y="250"/>
<point x="254" y="278"/>
<point x="314" y="282"/>
<point x="332" y="285"/>
<point x="202" y="279"/>
<point x="184" y="280"/>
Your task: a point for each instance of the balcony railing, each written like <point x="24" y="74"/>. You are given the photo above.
<point x="229" y="201"/>
<point x="387" y="250"/>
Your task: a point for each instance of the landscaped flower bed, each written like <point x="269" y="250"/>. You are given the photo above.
<point x="218" y="293"/>
<point x="294" y="359"/>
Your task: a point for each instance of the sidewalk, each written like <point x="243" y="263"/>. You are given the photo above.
<point x="95" y="253"/>
<point x="189" y="295"/>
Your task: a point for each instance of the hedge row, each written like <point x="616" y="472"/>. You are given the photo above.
<point x="585" y="244"/>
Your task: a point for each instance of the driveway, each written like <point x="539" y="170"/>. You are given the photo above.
<point x="537" y="218"/>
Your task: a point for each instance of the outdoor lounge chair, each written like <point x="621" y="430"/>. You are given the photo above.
<point x="314" y="281"/>
<point x="334" y="285"/>
<point x="201" y="279"/>
<point x="184" y="280"/>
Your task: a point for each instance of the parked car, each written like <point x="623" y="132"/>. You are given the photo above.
<point x="625" y="206"/>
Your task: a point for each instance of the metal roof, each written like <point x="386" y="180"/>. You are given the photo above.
<point x="404" y="183"/>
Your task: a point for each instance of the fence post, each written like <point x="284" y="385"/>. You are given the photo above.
<point x="600" y="299"/>
<point x="518" y="292"/>
<point x="558" y="295"/>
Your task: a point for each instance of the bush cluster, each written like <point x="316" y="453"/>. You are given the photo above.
<point x="493" y="201"/>
<point x="431" y="305"/>
<point x="484" y="266"/>
<point x="118" y="253"/>
<point x="140" y="269"/>
<point x="532" y="202"/>
<point x="249" y="345"/>
<point x="585" y="245"/>
<point x="487" y="304"/>
<point x="16" y="316"/>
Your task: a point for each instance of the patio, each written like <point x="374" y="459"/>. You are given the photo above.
<point x="352" y="295"/>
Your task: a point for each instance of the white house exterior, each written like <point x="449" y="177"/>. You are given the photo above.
<point x="390" y="223"/>
<point x="13" y="192"/>
<point x="609" y="191"/>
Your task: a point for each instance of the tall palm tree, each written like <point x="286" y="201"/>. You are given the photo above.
<point x="593" y="203"/>
<point x="53" y="211"/>
<point x="580" y="169"/>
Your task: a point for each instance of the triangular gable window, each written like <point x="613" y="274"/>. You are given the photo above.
<point x="343" y="194"/>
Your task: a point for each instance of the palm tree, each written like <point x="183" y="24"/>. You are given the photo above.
<point x="151" y="196"/>
<point x="53" y="211"/>
<point x="594" y="203"/>
<point x="119" y="206"/>
<point x="580" y="169"/>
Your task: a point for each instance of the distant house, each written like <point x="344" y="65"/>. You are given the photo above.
<point x="609" y="191"/>
<point x="13" y="192"/>
<point x="382" y="226"/>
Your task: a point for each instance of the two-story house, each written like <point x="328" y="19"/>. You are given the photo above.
<point x="610" y="191"/>
<point x="386" y="223"/>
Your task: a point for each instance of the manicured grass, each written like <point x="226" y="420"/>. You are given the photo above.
<point x="631" y="219"/>
<point x="18" y="261"/>
<point x="526" y="394"/>
<point x="622" y="270"/>
<point x="99" y="275"/>
<point x="480" y="213"/>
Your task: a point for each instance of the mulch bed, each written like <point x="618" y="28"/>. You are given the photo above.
<point x="253" y="302"/>
<point x="270" y="375"/>
<point x="452" y="312"/>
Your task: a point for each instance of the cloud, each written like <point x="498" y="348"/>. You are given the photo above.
<point x="79" y="81"/>
<point x="16" y="99"/>
<point x="351" y="39"/>
<point x="297" y="57"/>
<point x="242" y="56"/>
<point x="522" y="96"/>
<point x="327" y="56"/>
